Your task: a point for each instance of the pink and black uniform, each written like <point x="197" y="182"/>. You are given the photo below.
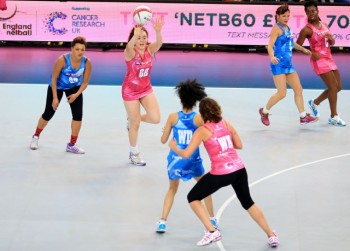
<point x="227" y="167"/>
<point x="320" y="44"/>
<point x="137" y="83"/>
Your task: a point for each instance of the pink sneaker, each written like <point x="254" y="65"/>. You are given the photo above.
<point x="264" y="117"/>
<point x="209" y="238"/>
<point x="308" y="119"/>
<point x="273" y="240"/>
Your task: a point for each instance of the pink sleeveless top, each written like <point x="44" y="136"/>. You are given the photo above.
<point x="137" y="83"/>
<point x="319" y="44"/>
<point x="224" y="158"/>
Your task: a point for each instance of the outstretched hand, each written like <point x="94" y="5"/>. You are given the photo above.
<point x="137" y="30"/>
<point x="158" y="25"/>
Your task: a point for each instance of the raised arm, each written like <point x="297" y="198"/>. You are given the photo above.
<point x="129" y="52"/>
<point x="155" y="46"/>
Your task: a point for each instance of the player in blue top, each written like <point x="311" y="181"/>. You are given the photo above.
<point x="280" y="49"/>
<point x="183" y="124"/>
<point x="71" y="75"/>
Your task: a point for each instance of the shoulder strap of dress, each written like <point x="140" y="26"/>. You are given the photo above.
<point x="208" y="127"/>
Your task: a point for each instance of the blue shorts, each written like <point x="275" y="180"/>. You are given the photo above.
<point x="276" y="69"/>
<point x="284" y="66"/>
<point x="184" y="168"/>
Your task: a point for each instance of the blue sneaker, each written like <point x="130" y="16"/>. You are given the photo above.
<point x="215" y="223"/>
<point x="314" y="108"/>
<point x="161" y="227"/>
<point x="337" y="121"/>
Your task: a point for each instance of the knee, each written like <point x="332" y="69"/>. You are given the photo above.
<point x="247" y="204"/>
<point x="48" y="115"/>
<point x="77" y="116"/>
<point x="172" y="190"/>
<point x="135" y="122"/>
<point x="281" y="95"/>
<point x="298" y="92"/>
<point x="190" y="198"/>
<point x="155" y="119"/>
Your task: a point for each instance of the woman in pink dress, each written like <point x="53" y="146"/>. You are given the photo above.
<point x="322" y="62"/>
<point x="137" y="88"/>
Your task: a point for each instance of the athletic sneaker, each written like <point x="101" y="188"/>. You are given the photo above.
<point x="161" y="227"/>
<point x="34" y="143"/>
<point x="308" y="119"/>
<point x="314" y="108"/>
<point x="273" y="240"/>
<point x="209" y="238"/>
<point x="337" y="121"/>
<point x="215" y="223"/>
<point x="264" y="117"/>
<point x="135" y="159"/>
<point x="74" y="149"/>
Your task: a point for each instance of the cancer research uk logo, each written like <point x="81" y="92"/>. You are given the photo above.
<point x="51" y="22"/>
<point x="56" y="22"/>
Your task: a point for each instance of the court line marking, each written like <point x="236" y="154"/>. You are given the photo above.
<point x="230" y="199"/>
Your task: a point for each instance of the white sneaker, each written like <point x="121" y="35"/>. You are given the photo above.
<point x="161" y="227"/>
<point x="273" y="240"/>
<point x="34" y="143"/>
<point x="75" y="149"/>
<point x="135" y="159"/>
<point x="337" y="121"/>
<point x="209" y="238"/>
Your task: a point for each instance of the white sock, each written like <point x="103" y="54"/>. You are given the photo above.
<point x="302" y="114"/>
<point x="265" y="111"/>
<point x="133" y="149"/>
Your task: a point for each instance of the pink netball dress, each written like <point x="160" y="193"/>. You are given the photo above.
<point x="224" y="158"/>
<point x="319" y="44"/>
<point x="137" y="83"/>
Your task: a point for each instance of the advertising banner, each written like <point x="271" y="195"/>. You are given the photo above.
<point x="185" y="23"/>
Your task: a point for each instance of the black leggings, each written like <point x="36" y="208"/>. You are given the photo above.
<point x="210" y="183"/>
<point x="76" y="107"/>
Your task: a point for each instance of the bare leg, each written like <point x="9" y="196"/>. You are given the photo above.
<point x="259" y="218"/>
<point x="169" y="198"/>
<point x="334" y="85"/>
<point x="151" y="106"/>
<point x="42" y="123"/>
<point x="294" y="81"/>
<point x="134" y="116"/>
<point x="281" y="85"/>
<point x="75" y="125"/>
<point x="201" y="212"/>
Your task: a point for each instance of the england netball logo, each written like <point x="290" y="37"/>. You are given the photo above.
<point x="54" y="23"/>
<point x="8" y="13"/>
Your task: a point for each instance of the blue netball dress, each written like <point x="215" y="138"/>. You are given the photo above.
<point x="184" y="168"/>
<point x="70" y="77"/>
<point x="283" y="51"/>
